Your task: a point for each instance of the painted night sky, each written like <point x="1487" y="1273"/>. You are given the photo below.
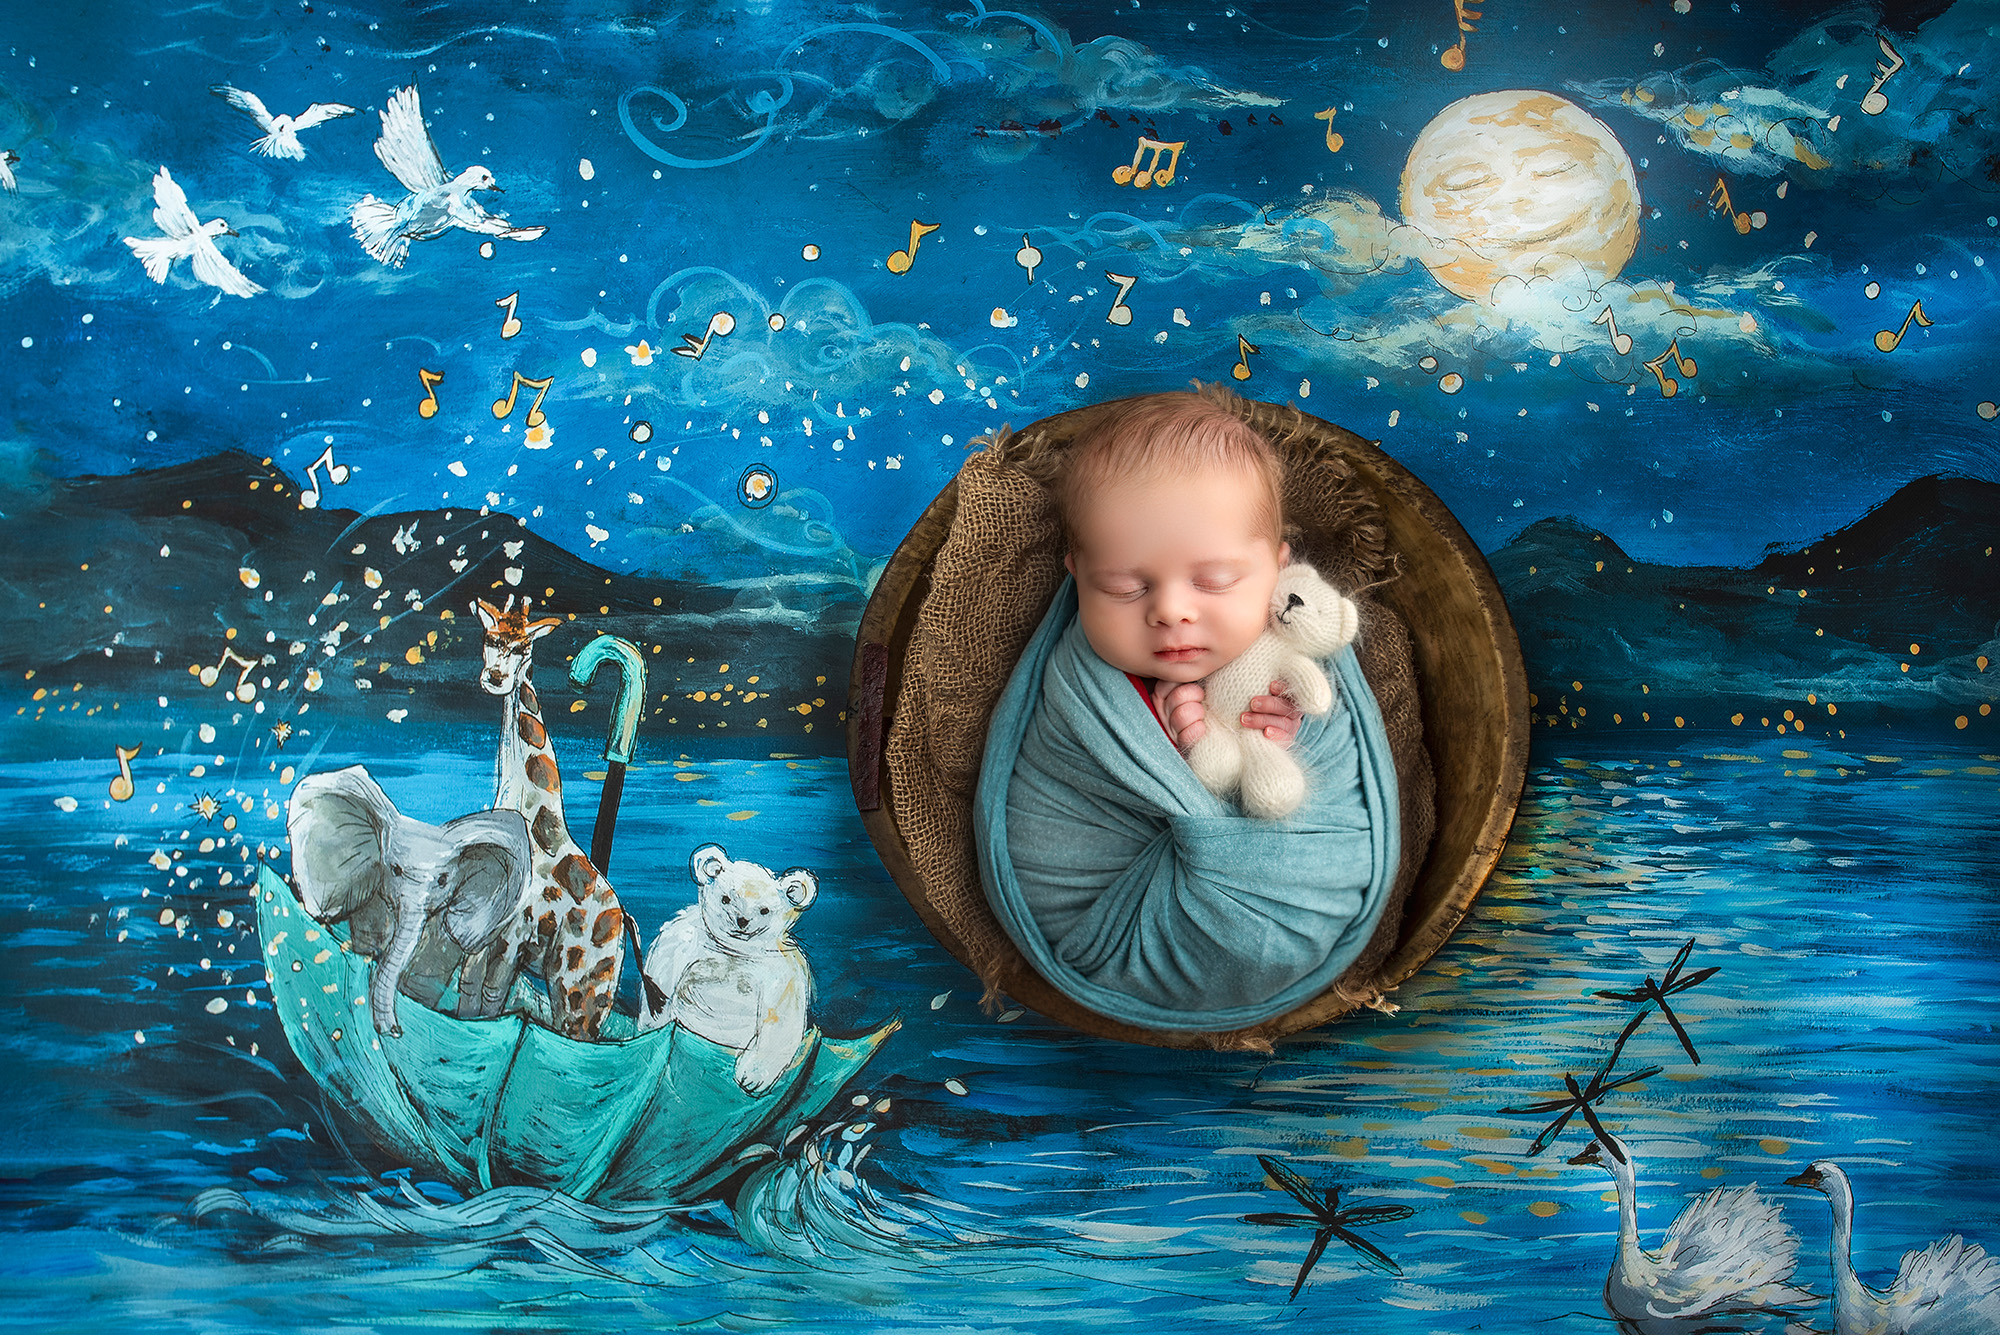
<point x="1685" y="308"/>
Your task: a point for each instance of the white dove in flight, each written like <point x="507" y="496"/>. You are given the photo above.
<point x="8" y="158"/>
<point x="434" y="204"/>
<point x="189" y="237"/>
<point x="281" y="133"/>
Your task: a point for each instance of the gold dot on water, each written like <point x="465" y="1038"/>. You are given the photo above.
<point x="1472" y="1216"/>
<point x="1916" y="648"/>
<point x="1962" y="721"/>
<point x="1773" y="1145"/>
<point x="1543" y="1209"/>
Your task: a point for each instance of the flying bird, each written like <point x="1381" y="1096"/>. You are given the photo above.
<point x="8" y="158"/>
<point x="1951" y="1287"/>
<point x="281" y="133"/>
<point x="435" y="204"/>
<point x="1729" y="1253"/>
<point x="187" y="237"/>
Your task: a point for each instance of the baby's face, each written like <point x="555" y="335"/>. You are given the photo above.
<point x="1174" y="575"/>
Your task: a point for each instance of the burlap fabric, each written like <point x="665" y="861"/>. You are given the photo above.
<point x="991" y="581"/>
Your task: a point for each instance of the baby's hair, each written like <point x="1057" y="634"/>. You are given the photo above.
<point x="1159" y="435"/>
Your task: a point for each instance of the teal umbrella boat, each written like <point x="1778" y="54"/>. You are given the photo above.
<point x="642" y="1119"/>
<point x="635" y="1119"/>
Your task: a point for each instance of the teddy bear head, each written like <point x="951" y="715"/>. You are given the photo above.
<point x="1310" y="613"/>
<point x="746" y="907"/>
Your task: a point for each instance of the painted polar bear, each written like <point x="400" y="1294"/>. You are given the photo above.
<point x="1310" y="620"/>
<point x="725" y="967"/>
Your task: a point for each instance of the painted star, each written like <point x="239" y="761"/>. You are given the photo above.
<point x="207" y="805"/>
<point x="1328" y="1221"/>
<point x="1656" y="994"/>
<point x="1581" y="1099"/>
<point x="641" y="352"/>
<point x="282" y="731"/>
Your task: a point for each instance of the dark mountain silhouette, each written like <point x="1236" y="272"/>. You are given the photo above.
<point x="1830" y="624"/>
<point x="120" y="587"/>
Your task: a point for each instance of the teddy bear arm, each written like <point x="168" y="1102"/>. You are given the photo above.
<point x="1310" y="690"/>
<point x="667" y="959"/>
<point x="781" y="1028"/>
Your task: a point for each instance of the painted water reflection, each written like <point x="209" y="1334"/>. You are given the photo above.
<point x="1017" y="1175"/>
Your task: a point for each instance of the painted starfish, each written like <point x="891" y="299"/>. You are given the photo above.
<point x="1328" y="1221"/>
<point x="1657" y="993"/>
<point x="1581" y="1098"/>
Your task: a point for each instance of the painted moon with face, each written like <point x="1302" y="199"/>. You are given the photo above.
<point x="1520" y="184"/>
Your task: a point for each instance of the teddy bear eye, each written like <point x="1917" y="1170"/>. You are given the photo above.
<point x="763" y="911"/>
<point x="725" y="899"/>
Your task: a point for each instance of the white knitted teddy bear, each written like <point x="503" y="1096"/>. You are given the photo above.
<point x="1310" y="620"/>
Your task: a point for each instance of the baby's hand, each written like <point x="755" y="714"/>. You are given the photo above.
<point x="1275" y="715"/>
<point x="1183" y="707"/>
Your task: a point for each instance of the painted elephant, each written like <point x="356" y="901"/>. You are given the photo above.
<point x="417" y="898"/>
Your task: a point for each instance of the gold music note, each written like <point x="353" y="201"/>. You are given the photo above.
<point x="901" y="260"/>
<point x="720" y="325"/>
<point x="1028" y="256"/>
<point x="502" y="407"/>
<point x="1873" y="103"/>
<point x="1333" y="141"/>
<point x="1120" y="313"/>
<point x="1887" y="341"/>
<point x="1685" y="365"/>
<point x="1154" y="173"/>
<point x="1718" y="198"/>
<point x="122" y="787"/>
<point x="1622" y="342"/>
<point x="1244" y="347"/>
<point x="1453" y="57"/>
<point x="509" y="326"/>
<point x="244" y="690"/>
<point x="431" y="380"/>
<point x="309" y="499"/>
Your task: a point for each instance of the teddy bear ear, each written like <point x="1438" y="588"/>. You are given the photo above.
<point x="801" y="887"/>
<point x="706" y="863"/>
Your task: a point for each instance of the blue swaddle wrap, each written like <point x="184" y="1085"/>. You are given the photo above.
<point x="1140" y="894"/>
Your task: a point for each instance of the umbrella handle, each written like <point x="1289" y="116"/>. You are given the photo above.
<point x="631" y="690"/>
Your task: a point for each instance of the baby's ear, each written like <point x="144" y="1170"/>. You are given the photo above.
<point x="1069" y="562"/>
<point x="1284" y="553"/>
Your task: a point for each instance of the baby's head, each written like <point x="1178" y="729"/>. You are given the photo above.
<point x="1172" y="512"/>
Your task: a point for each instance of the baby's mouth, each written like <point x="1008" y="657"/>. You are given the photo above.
<point x="1179" y="654"/>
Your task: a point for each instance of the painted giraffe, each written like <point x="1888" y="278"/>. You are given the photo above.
<point x="570" y="926"/>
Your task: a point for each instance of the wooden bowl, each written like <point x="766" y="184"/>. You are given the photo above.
<point x="1470" y="678"/>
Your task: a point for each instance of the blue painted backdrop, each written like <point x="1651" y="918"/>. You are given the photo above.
<point x="1701" y="354"/>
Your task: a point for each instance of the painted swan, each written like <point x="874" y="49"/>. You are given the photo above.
<point x="1950" y="1286"/>
<point x="1728" y="1252"/>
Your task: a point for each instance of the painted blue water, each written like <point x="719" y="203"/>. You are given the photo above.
<point x="193" y="1180"/>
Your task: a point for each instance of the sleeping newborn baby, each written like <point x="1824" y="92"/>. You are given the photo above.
<point x="1130" y="886"/>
